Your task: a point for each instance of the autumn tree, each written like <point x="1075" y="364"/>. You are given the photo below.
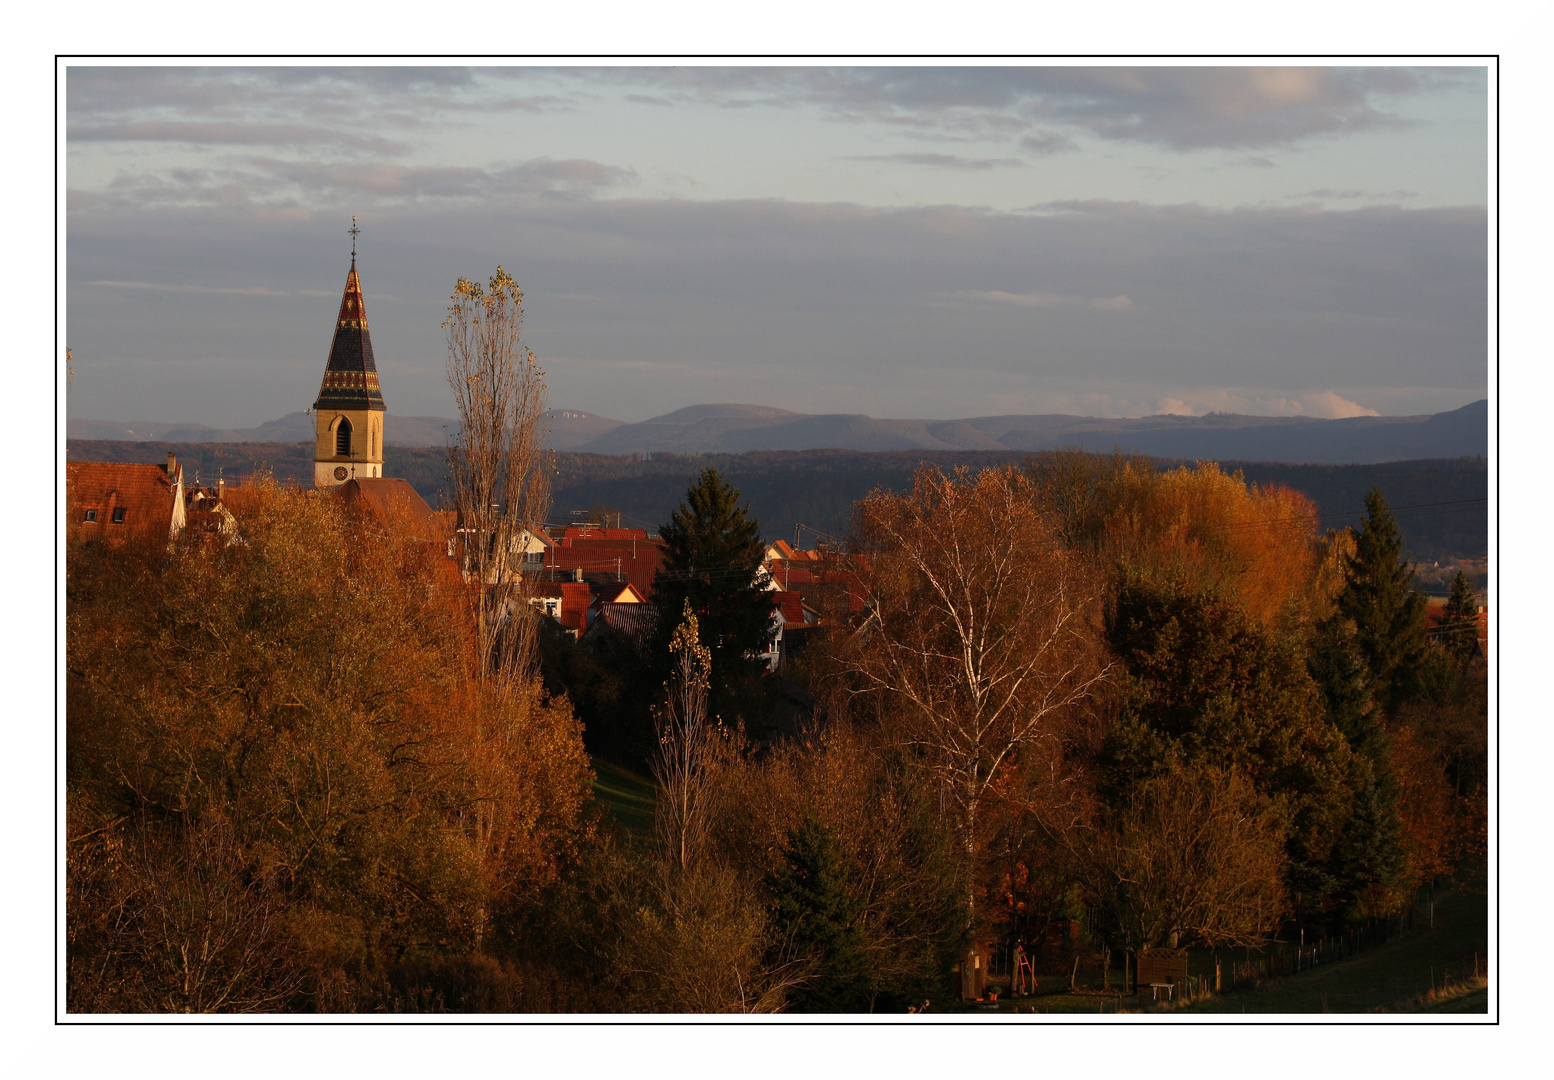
<point x="688" y="740"/>
<point x="498" y="465"/>
<point x="1198" y="524"/>
<point x="886" y="849"/>
<point x="1194" y="855"/>
<point x="981" y="634"/>
<point x="294" y="718"/>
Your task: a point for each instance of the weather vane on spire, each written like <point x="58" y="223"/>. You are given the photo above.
<point x="353" y="231"/>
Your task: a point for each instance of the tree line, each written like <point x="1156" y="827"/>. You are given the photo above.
<point x="293" y="783"/>
<point x="1441" y="503"/>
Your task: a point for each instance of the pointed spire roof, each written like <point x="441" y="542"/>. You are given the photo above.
<point x="351" y="376"/>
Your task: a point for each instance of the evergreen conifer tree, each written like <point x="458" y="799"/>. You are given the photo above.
<point x="1338" y="667"/>
<point x="1386" y="609"/>
<point x="1369" y="861"/>
<point x="1460" y="621"/>
<point x="811" y="906"/>
<point x="714" y="552"/>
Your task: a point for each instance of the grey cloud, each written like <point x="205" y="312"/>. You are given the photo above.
<point x="1179" y="107"/>
<point x="1040" y="108"/>
<point x="348" y="108"/>
<point x="232" y="133"/>
<point x="945" y="161"/>
<point x="637" y="306"/>
<point x="1044" y="143"/>
<point x="277" y="182"/>
<point x="1193" y="108"/>
<point x="1354" y="193"/>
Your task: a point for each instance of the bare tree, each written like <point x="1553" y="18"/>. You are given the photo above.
<point x="982" y="631"/>
<point x="498" y="465"/>
<point x="687" y="740"/>
<point x="176" y="920"/>
<point x="1192" y="855"/>
<point x="701" y="941"/>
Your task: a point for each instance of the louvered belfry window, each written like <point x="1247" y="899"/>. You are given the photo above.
<point x="343" y="437"/>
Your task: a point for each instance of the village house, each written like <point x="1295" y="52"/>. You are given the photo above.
<point x="1435" y="615"/>
<point x="792" y="620"/>
<point x="566" y="602"/>
<point x="623" y="556"/>
<point x="113" y="501"/>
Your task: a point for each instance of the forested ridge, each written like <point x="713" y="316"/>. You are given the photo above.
<point x="817" y="488"/>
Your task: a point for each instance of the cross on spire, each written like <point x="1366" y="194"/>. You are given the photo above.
<point x="353" y="230"/>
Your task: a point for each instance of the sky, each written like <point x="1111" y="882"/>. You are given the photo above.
<point x="930" y="242"/>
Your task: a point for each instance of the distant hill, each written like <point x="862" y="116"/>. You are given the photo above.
<point x="733" y="429"/>
<point x="569" y="428"/>
<point x="738" y="429"/>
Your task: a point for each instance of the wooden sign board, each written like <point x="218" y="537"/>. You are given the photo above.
<point x="1157" y="966"/>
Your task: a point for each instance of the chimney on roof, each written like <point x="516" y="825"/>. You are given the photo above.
<point x="172" y="463"/>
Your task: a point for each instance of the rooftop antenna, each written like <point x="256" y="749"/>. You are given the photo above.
<point x="353" y="230"/>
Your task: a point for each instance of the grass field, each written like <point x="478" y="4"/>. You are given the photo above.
<point x="1397" y="977"/>
<point x="1388" y="978"/>
<point x="628" y="797"/>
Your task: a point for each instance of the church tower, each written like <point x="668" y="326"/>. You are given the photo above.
<point x="349" y="410"/>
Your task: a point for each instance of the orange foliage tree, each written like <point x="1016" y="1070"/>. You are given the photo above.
<point x="306" y="693"/>
<point x="982" y="633"/>
<point x="1199" y="524"/>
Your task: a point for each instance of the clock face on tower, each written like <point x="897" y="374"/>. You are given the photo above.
<point x="339" y="472"/>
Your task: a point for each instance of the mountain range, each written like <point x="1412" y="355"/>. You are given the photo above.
<point x="569" y="428"/>
<point x="736" y="428"/>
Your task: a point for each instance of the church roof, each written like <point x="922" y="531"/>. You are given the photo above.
<point x="351" y="377"/>
<point x="393" y="502"/>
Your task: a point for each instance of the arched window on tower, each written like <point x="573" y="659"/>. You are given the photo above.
<point x="343" y="437"/>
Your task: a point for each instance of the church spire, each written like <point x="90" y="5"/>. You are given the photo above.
<point x="351" y="376"/>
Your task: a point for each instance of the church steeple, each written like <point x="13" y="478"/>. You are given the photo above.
<point x="351" y="376"/>
<point x="350" y="405"/>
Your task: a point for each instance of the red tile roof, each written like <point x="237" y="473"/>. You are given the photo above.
<point x="636" y="566"/>
<point x="575" y="598"/>
<point x="1435" y="614"/>
<point x="582" y="532"/>
<point x="791" y="604"/>
<point x="144" y="494"/>
<point x="392" y="500"/>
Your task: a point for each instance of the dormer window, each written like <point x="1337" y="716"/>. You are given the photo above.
<point x="118" y="515"/>
<point x="343" y="438"/>
<point x="91" y="515"/>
